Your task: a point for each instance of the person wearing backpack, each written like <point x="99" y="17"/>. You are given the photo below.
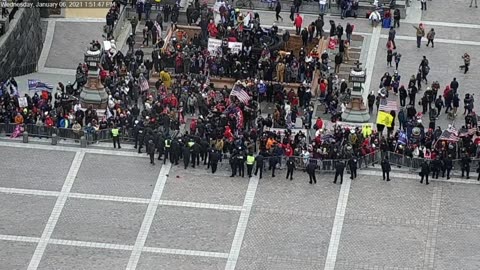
<point x="420" y="33"/>
<point x="430" y="37"/>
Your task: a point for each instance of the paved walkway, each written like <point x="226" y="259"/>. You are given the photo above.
<point x="106" y="209"/>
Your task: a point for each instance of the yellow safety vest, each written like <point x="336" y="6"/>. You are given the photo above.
<point x="190" y="144"/>
<point x="250" y="160"/>
<point x="167" y="143"/>
<point x="115" y="132"/>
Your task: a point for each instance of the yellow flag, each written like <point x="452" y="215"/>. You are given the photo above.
<point x="384" y="118"/>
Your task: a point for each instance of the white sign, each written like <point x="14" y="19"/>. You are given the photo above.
<point x="214" y="46"/>
<point x="22" y="102"/>
<point x="235" y="47"/>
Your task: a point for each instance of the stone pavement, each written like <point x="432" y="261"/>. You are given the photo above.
<point x="110" y="209"/>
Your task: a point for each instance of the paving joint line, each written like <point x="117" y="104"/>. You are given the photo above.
<point x="242" y="224"/>
<point x="429" y="256"/>
<point x="338" y="225"/>
<point x="57" y="210"/>
<point x="149" y="216"/>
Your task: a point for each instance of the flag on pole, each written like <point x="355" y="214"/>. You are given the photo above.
<point x="241" y="94"/>
<point x="387" y="105"/>
<point x="36" y="85"/>
<point x="449" y="134"/>
<point x="402" y="138"/>
<point x="384" y="118"/>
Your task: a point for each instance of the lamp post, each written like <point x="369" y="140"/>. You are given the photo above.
<point x="356" y="111"/>
<point x="93" y="92"/>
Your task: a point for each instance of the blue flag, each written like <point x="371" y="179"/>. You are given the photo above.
<point x="402" y="138"/>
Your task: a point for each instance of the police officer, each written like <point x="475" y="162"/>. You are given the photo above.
<point x="272" y="164"/>
<point x="352" y="164"/>
<point x="151" y="151"/>
<point x="213" y="160"/>
<point x="311" y="172"/>
<point x="259" y="161"/>
<point x="339" y="168"/>
<point x="386" y="168"/>
<point x="250" y="163"/>
<point x="168" y="146"/>
<point x="290" y="168"/>
<point x="190" y="145"/>
<point x="116" y="137"/>
<point x="186" y="156"/>
<point x="175" y="152"/>
<point x="448" y="165"/>
<point x="466" y="160"/>
<point x="241" y="162"/>
<point x="436" y="167"/>
<point x="424" y="172"/>
<point x="160" y="145"/>
<point x="233" y="163"/>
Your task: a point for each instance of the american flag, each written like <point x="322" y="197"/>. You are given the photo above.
<point x="449" y="134"/>
<point x="388" y="105"/>
<point x="241" y="94"/>
<point x="143" y="83"/>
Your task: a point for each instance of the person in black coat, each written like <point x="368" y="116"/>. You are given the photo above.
<point x="259" y="161"/>
<point x="186" y="156"/>
<point x="386" y="168"/>
<point x="448" y="165"/>
<point x="311" y="172"/>
<point x="466" y="160"/>
<point x="436" y="167"/>
<point x="352" y="164"/>
<point x="151" y="151"/>
<point x="233" y="163"/>
<point x="290" y="168"/>
<point x="339" y="169"/>
<point x="272" y="164"/>
<point x="213" y="160"/>
<point x="424" y="172"/>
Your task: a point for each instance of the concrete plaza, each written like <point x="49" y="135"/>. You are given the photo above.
<point x="96" y="208"/>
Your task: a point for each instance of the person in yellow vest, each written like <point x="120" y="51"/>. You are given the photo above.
<point x="116" y="137"/>
<point x="250" y="163"/>
<point x="367" y="131"/>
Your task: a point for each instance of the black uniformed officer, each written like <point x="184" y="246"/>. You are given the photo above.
<point x="233" y="163"/>
<point x="448" y="165"/>
<point x="175" y="152"/>
<point x="241" y="162"/>
<point x="259" y="160"/>
<point x="290" y="167"/>
<point x="311" y="172"/>
<point x="272" y="164"/>
<point x="386" y="168"/>
<point x="213" y="160"/>
<point x="339" y="168"/>
<point x="478" y="171"/>
<point x="352" y="164"/>
<point x="167" y="151"/>
<point x="466" y="160"/>
<point x="151" y="151"/>
<point x="424" y="171"/>
<point x="436" y="167"/>
<point x="186" y="156"/>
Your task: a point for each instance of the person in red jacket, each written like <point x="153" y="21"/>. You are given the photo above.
<point x="298" y="23"/>
<point x="319" y="123"/>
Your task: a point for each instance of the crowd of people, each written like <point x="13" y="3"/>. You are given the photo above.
<point x="228" y="122"/>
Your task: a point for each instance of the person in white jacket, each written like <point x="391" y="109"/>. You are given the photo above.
<point x="375" y="17"/>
